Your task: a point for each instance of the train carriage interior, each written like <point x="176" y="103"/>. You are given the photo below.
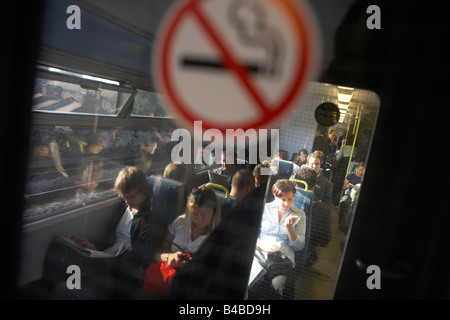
<point x="92" y="108"/>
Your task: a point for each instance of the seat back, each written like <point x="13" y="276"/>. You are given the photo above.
<point x="304" y="200"/>
<point x="285" y="168"/>
<point x="167" y="195"/>
<point x="223" y="195"/>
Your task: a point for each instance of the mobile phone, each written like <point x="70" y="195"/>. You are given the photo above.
<point x="184" y="256"/>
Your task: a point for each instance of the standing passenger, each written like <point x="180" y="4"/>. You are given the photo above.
<point x="323" y="189"/>
<point x="321" y="141"/>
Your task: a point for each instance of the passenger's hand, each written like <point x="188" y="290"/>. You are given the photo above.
<point x="83" y="242"/>
<point x="174" y="260"/>
<point x="290" y="221"/>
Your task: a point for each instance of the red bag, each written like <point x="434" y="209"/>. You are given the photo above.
<point x="158" y="277"/>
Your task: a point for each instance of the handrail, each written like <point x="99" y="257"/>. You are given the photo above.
<point x="355" y="132"/>
<point x="300" y="181"/>
<point x="218" y="186"/>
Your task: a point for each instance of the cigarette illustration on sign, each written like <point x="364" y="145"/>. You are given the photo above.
<point x="249" y="21"/>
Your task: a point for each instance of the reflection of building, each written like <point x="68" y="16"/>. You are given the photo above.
<point x="68" y="97"/>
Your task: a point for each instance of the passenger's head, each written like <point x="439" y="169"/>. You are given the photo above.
<point x="228" y="163"/>
<point x="321" y="156"/>
<point x="314" y="161"/>
<point x="260" y="179"/>
<point x="322" y="130"/>
<point x="88" y="174"/>
<point x="360" y="169"/>
<point x="131" y="184"/>
<point x="282" y="155"/>
<point x="302" y="156"/>
<point x="202" y="209"/>
<point x="283" y="191"/>
<point x="242" y="184"/>
<point x="147" y="144"/>
<point x="97" y="142"/>
<point x="175" y="171"/>
<point x="308" y="175"/>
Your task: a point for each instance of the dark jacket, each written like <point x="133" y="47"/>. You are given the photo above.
<point x="148" y="232"/>
<point x="323" y="190"/>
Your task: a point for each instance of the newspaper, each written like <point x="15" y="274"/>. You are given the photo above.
<point x="117" y="249"/>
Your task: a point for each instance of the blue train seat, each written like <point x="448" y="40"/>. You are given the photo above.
<point x="285" y="168"/>
<point x="168" y="195"/>
<point x="226" y="203"/>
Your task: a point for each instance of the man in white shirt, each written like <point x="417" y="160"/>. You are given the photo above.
<point x="139" y="227"/>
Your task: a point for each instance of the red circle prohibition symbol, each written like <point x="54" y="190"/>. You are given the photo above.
<point x="164" y="70"/>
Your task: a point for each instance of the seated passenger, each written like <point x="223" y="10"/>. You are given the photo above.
<point x="97" y="143"/>
<point x="282" y="232"/>
<point x="96" y="147"/>
<point x="139" y="227"/>
<point x="88" y="175"/>
<point x="351" y="187"/>
<point x="282" y="155"/>
<point x="355" y="177"/>
<point x="283" y="169"/>
<point x="45" y="173"/>
<point x="45" y="147"/>
<point x="262" y="179"/>
<point x="175" y="171"/>
<point x="321" y="216"/>
<point x="202" y="159"/>
<point x="228" y="167"/>
<point x="301" y="157"/>
<point x="153" y="156"/>
<point x="242" y="184"/>
<point x="188" y="231"/>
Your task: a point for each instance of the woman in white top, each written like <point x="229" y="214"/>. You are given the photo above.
<point x="188" y="231"/>
<point x="282" y="232"/>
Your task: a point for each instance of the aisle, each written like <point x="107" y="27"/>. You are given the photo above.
<point x="319" y="280"/>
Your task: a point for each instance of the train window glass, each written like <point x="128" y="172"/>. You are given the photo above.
<point x="73" y="166"/>
<point x="66" y="97"/>
<point x="150" y="104"/>
<point x="340" y="123"/>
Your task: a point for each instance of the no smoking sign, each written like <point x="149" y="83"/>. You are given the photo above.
<point x="235" y="63"/>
